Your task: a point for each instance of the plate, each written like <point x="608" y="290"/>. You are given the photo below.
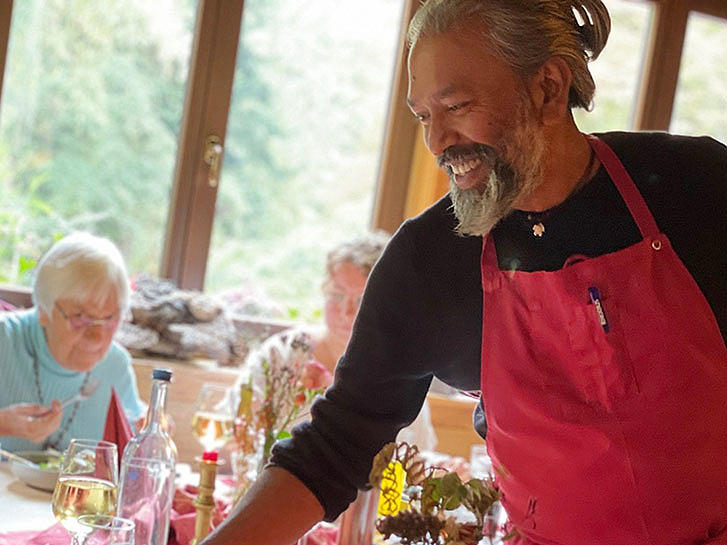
<point x="42" y="478"/>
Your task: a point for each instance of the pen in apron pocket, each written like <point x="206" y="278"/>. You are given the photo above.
<point x="600" y="312"/>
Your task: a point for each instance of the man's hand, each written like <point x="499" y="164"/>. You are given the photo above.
<point x="30" y="421"/>
<point x="277" y="510"/>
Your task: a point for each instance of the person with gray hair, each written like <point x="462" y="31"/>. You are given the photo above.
<point x="64" y="343"/>
<point x="577" y="282"/>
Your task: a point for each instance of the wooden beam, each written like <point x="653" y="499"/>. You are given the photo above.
<point x="661" y="71"/>
<point x="716" y="8"/>
<point x="399" y="139"/>
<point x="6" y="17"/>
<point x="20" y="296"/>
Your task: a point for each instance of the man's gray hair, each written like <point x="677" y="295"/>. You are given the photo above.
<point x="82" y="268"/>
<point x="362" y="252"/>
<point x="526" y="33"/>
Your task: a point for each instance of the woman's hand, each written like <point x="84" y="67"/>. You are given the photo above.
<point x="30" y="421"/>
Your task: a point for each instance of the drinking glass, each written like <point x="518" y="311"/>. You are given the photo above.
<point x="214" y="416"/>
<point x="493" y="527"/>
<point x="87" y="484"/>
<point x="106" y="530"/>
<point x="480" y="462"/>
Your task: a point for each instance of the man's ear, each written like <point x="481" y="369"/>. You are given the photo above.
<point x="550" y="88"/>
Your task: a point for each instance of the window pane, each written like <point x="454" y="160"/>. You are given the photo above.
<point x="303" y="141"/>
<point x="91" y="107"/>
<point x="701" y="100"/>
<point x="617" y="70"/>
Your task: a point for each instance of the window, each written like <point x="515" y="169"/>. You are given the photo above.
<point x="617" y="70"/>
<point x="701" y="97"/>
<point x="304" y="135"/>
<point x="91" y="106"/>
<point x="92" y="119"/>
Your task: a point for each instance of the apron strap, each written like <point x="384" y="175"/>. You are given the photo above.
<point x="489" y="254"/>
<point x="626" y="187"/>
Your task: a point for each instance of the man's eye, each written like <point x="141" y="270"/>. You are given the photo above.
<point x="458" y="106"/>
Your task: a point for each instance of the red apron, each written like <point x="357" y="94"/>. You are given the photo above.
<point x="605" y="391"/>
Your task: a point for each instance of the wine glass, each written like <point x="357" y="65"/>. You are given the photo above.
<point x="87" y="484"/>
<point x="493" y="526"/>
<point x="213" y="421"/>
<point x="106" y="530"/>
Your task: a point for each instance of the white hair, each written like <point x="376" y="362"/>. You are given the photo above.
<point x="82" y="268"/>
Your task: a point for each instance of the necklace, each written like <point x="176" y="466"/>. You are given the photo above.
<point x="53" y="443"/>
<point x="535" y="219"/>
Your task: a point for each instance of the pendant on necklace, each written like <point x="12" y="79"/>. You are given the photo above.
<point x="538" y="229"/>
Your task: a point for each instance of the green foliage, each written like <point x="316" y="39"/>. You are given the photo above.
<point x="91" y="109"/>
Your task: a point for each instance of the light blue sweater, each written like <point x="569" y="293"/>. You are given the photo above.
<point x="21" y="342"/>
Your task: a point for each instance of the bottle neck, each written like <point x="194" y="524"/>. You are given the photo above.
<point x="157" y="406"/>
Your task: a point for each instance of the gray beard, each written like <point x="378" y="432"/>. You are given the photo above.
<point x="477" y="211"/>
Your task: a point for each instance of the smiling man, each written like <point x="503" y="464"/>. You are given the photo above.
<point x="577" y="281"/>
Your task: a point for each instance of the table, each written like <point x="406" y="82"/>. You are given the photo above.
<point x="21" y="506"/>
<point x="24" y="508"/>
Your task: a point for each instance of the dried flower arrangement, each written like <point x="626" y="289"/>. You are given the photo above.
<point x="432" y="495"/>
<point x="280" y="383"/>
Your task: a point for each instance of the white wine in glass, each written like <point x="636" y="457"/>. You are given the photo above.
<point x="87" y="484"/>
<point x="213" y="420"/>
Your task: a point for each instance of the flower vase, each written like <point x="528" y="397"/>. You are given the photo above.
<point x="246" y="458"/>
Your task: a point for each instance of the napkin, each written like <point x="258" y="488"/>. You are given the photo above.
<point x="55" y="535"/>
<point x="184" y="513"/>
<point x="117" y="428"/>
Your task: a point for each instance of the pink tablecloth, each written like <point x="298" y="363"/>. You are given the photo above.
<point x="55" y="535"/>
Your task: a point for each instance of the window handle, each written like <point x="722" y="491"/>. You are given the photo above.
<point x="212" y="157"/>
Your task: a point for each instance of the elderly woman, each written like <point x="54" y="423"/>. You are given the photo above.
<point x="64" y="343"/>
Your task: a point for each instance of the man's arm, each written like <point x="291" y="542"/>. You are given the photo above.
<point x="277" y="510"/>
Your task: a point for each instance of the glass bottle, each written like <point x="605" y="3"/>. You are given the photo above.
<point x="146" y="486"/>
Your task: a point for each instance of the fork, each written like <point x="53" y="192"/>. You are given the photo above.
<point x="84" y="393"/>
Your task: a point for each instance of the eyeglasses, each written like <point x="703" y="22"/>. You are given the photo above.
<point x="339" y="297"/>
<point x="81" y="321"/>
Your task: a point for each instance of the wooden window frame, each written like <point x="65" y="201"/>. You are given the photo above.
<point x="206" y="110"/>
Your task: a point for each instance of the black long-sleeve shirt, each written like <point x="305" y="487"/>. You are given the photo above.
<point x="421" y="314"/>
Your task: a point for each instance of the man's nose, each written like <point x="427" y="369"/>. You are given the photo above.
<point x="439" y="135"/>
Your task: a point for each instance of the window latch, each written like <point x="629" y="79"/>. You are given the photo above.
<point x="213" y="157"/>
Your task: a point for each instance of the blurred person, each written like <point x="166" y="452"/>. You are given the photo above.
<point x="348" y="266"/>
<point x="64" y="342"/>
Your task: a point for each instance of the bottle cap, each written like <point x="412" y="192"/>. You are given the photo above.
<point x="162" y="374"/>
<point x="209" y="456"/>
